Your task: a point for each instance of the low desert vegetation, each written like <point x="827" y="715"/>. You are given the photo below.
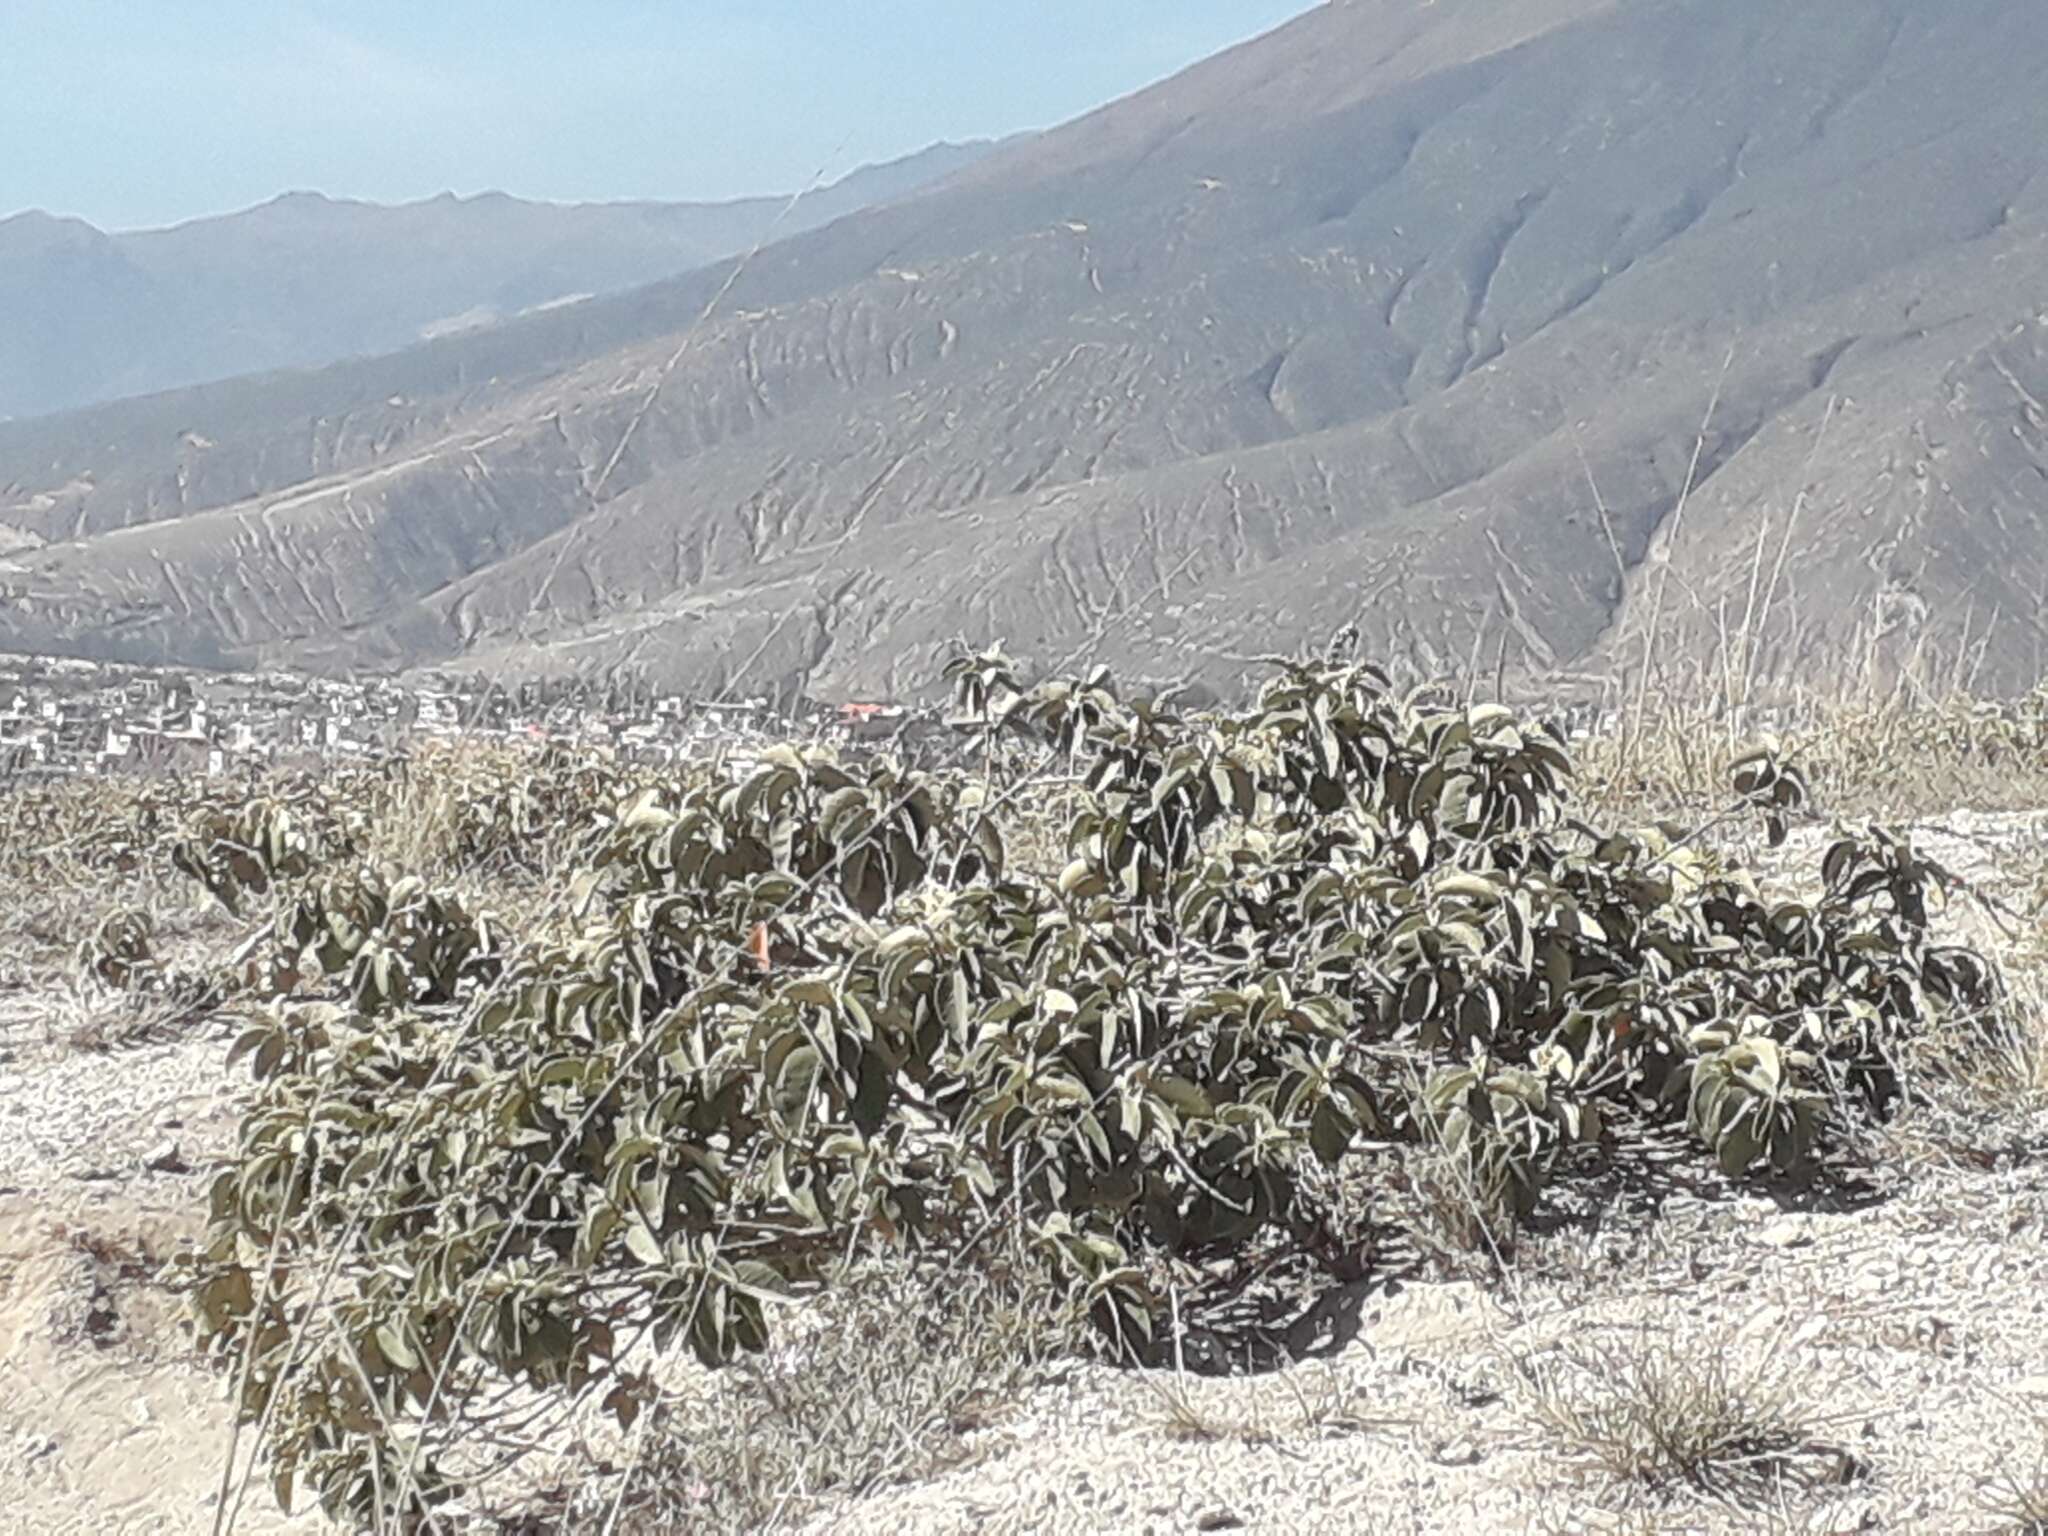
<point x="876" y="1088"/>
<point x="1899" y="752"/>
<point x="1652" y="1417"/>
<point x="885" y="1379"/>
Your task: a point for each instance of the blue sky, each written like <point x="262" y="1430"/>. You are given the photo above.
<point x="133" y="113"/>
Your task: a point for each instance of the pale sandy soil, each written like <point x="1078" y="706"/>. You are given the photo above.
<point x="105" y="1425"/>
<point x="1917" y="1330"/>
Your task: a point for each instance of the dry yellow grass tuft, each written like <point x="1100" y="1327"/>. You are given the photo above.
<point x="891" y="1369"/>
<point x="1659" y="1415"/>
<point x="1899" y="754"/>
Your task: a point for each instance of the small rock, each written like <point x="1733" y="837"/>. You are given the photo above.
<point x="1873" y="1278"/>
<point x="165" y="1157"/>
<point x="1938" y="1338"/>
<point x="1459" y="1452"/>
<point x="1218" y="1520"/>
<point x="1786" y="1232"/>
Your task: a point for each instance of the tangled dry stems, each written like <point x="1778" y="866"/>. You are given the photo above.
<point x="1659" y="1416"/>
<point x="1895" y="753"/>
<point x="2015" y="1497"/>
<point x="1317" y="1402"/>
<point x="1979" y="1077"/>
<point x="2019" y="1505"/>
<point x="885" y="1377"/>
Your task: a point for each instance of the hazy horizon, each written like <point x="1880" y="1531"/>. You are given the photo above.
<point x="820" y="183"/>
<point x="139" y="118"/>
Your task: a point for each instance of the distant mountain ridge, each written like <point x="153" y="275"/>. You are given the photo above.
<point x="305" y="279"/>
<point x="1510" y="330"/>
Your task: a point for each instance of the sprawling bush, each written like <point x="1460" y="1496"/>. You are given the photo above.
<point x="813" y="1005"/>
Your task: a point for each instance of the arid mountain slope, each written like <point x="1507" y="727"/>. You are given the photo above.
<point x="1409" y="314"/>
<point x="304" y="279"/>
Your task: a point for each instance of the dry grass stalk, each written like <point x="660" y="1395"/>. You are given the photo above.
<point x="1319" y="1402"/>
<point x="2016" y="1498"/>
<point x="883" y="1380"/>
<point x="1661" y="1417"/>
<point x="2019" y="1505"/>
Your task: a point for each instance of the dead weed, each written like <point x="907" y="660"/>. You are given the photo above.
<point x="885" y="1378"/>
<point x="1659" y="1416"/>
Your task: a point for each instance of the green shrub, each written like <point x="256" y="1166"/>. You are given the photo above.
<point x="815" y="1006"/>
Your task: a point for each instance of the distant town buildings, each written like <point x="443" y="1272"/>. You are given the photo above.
<point x="60" y="717"/>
